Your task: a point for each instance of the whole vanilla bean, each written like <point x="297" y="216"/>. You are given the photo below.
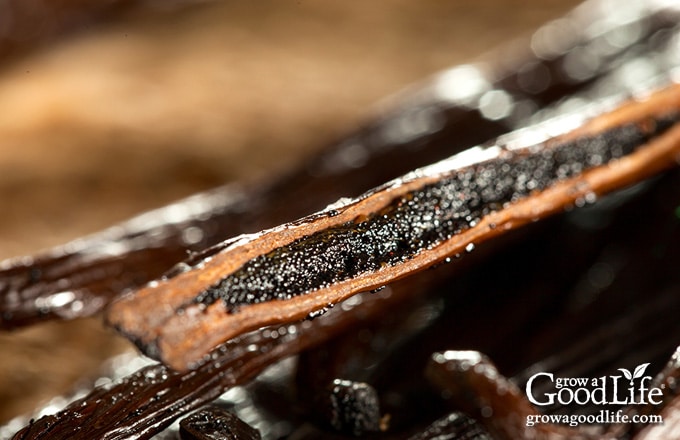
<point x="147" y="401"/>
<point x="432" y="122"/>
<point x="300" y="268"/>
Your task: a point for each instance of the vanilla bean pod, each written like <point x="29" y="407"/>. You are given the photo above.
<point x="81" y="277"/>
<point x="292" y="271"/>
<point x="65" y="417"/>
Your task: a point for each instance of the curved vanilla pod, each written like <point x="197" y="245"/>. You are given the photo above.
<point x="476" y="386"/>
<point x="301" y="268"/>
<point x="427" y="124"/>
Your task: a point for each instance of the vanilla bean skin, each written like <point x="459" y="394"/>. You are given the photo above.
<point x="292" y="271"/>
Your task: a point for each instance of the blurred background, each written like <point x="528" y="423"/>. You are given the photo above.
<point x="111" y="108"/>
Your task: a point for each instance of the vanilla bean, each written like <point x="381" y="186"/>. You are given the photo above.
<point x="409" y="224"/>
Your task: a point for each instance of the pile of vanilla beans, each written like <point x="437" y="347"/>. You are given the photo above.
<point x="581" y="293"/>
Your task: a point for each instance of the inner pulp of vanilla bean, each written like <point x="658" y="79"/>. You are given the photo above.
<point x="420" y="219"/>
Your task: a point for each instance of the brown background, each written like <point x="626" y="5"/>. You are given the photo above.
<point x="152" y="103"/>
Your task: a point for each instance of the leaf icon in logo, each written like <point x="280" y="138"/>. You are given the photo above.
<point x="640" y="370"/>
<point x="626" y="373"/>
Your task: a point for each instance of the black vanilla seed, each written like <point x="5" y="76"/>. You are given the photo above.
<point x="421" y="219"/>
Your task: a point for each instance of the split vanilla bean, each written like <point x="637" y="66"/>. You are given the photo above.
<point x="301" y="268"/>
